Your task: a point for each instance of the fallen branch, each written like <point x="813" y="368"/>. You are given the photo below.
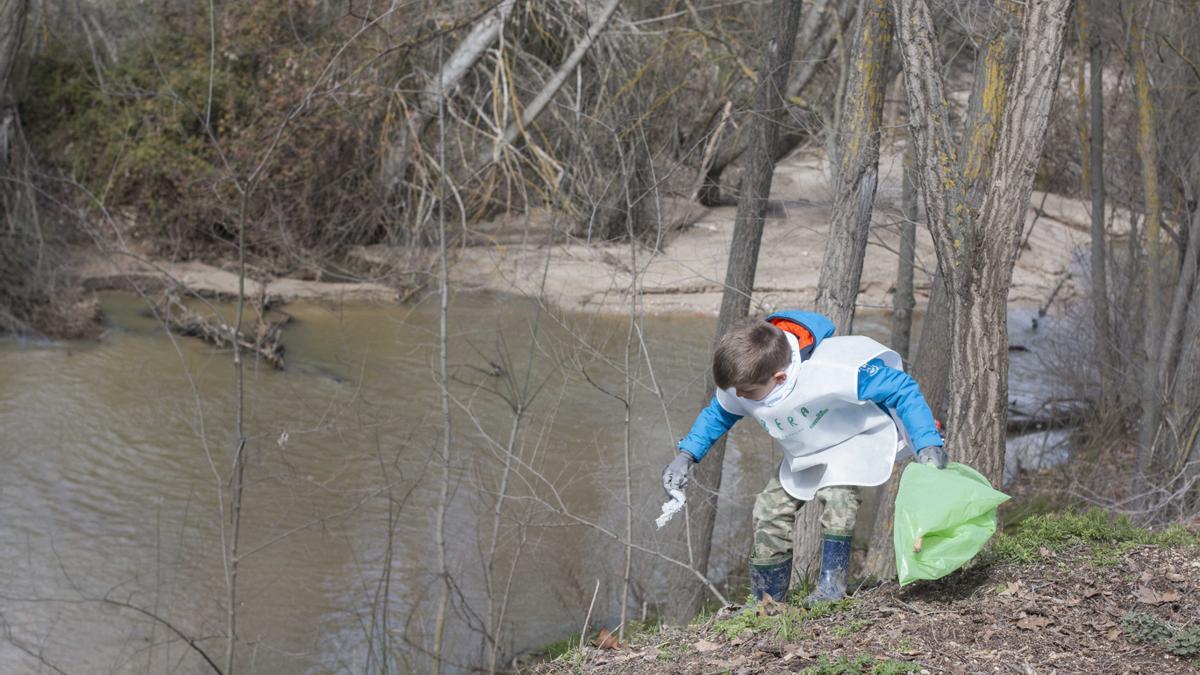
<point x="265" y="342"/>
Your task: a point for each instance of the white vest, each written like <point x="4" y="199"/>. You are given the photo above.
<point x="828" y="436"/>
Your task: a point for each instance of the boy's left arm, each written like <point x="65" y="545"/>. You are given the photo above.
<point x="898" y="391"/>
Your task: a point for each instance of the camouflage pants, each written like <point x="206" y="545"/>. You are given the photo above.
<point x="775" y="518"/>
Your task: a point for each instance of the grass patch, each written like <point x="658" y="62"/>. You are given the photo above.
<point x="850" y="628"/>
<point x="568" y="648"/>
<point x="748" y="620"/>
<point x="1107" y="535"/>
<point x="824" y="609"/>
<point x="783" y="624"/>
<point x="860" y="665"/>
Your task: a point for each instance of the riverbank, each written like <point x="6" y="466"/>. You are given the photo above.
<point x="1068" y="593"/>
<point x="523" y="255"/>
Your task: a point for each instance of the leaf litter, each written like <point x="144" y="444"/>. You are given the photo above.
<point x="1061" y="614"/>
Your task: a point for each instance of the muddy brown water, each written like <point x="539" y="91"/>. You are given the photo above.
<point x="115" y="457"/>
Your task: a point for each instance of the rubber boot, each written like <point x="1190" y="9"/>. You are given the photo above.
<point x="835" y="562"/>
<point x="772" y="577"/>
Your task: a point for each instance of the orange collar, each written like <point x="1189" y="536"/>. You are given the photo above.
<point x="803" y="335"/>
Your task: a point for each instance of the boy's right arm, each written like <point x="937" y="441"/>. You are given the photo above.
<point x="712" y="423"/>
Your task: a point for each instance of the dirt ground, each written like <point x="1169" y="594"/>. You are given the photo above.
<point x="684" y="274"/>
<point x="1061" y="614"/>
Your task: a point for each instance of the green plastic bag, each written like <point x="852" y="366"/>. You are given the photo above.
<point x="943" y="518"/>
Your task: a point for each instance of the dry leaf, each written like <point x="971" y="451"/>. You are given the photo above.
<point x="1091" y="593"/>
<point x="1172" y="576"/>
<point x="768" y="606"/>
<point x="729" y="664"/>
<point x="704" y="646"/>
<point x="1012" y="588"/>
<point x="1045" y="552"/>
<point x="607" y="640"/>
<point x="1150" y="596"/>
<point x="1033" y="623"/>
<point x="796" y="652"/>
<point x="1113" y="634"/>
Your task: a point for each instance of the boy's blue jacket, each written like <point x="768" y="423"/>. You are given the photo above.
<point x="887" y="387"/>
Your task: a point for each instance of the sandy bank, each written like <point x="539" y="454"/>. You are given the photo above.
<point x="123" y="272"/>
<point x="685" y="274"/>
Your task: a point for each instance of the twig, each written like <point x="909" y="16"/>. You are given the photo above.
<point x="587" y="619"/>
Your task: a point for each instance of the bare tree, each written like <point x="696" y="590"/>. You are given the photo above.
<point x="977" y="248"/>
<point x="855" y="178"/>
<point x="1099" y="263"/>
<point x="824" y="24"/>
<point x="903" y="300"/>
<point x="930" y="367"/>
<point x="856" y="172"/>
<point x="443" y="382"/>
<point x="779" y="36"/>
<point x="1152" y="302"/>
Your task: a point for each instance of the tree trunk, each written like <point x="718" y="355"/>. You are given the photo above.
<point x="1185" y="388"/>
<point x="816" y="51"/>
<point x="779" y="32"/>
<point x="903" y="301"/>
<point x="930" y="367"/>
<point x="1184" y="381"/>
<point x="1184" y="296"/>
<point x="1148" y="153"/>
<point x="976" y="251"/>
<point x="1107" y="362"/>
<point x="854" y="183"/>
<point x="857" y="171"/>
<point x="1084" y="41"/>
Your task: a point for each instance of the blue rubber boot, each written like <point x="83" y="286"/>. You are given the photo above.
<point x="835" y="563"/>
<point x="771" y="578"/>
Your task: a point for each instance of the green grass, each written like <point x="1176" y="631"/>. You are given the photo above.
<point x="1108" y="536"/>
<point x="860" y="665"/>
<point x="783" y="624"/>
<point x="849" y="628"/>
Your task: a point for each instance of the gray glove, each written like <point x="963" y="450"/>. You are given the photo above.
<point x="675" y="476"/>
<point x="934" y="455"/>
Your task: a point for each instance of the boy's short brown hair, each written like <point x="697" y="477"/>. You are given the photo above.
<point x="749" y="353"/>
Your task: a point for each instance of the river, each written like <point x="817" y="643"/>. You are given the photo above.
<point x="116" y="456"/>
<point x="110" y="492"/>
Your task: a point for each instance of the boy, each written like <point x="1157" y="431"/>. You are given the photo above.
<point x="842" y="410"/>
